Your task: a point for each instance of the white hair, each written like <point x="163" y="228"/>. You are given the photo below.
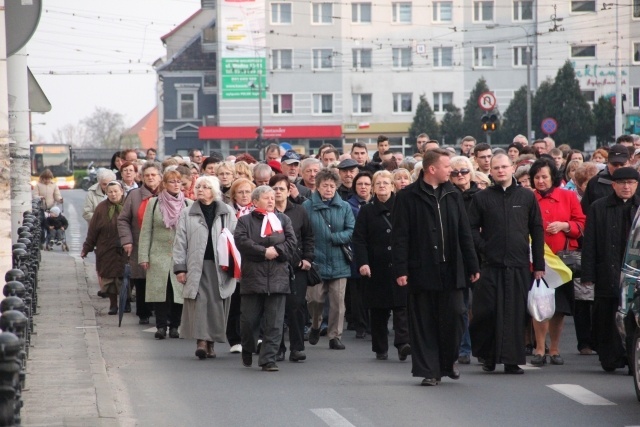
<point x="212" y="182"/>
<point x="105" y="175"/>
<point x="457" y="160"/>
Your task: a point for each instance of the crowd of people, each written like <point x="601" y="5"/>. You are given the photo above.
<point x="446" y="242"/>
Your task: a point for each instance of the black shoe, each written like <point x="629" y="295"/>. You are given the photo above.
<point x="314" y="336"/>
<point x="173" y="333"/>
<point x="382" y="356"/>
<point x="556" y="359"/>
<point x="102" y="294"/>
<point x="336" y="344"/>
<point x="539" y="360"/>
<point x="161" y="333"/>
<point x="270" y="367"/>
<point x="143" y="321"/>
<point x="127" y="307"/>
<point x="404" y="351"/>
<point x="488" y="366"/>
<point x="430" y="382"/>
<point x="453" y="374"/>
<point x="280" y="356"/>
<point x="464" y="359"/>
<point x="528" y="350"/>
<point x="247" y="359"/>
<point x="297" y="356"/>
<point x="113" y="310"/>
<point x="323" y="330"/>
<point x="361" y="335"/>
<point x="513" y="369"/>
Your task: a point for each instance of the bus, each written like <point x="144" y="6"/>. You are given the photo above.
<point x="55" y="157"/>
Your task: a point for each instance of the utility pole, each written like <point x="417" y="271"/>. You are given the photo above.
<point x="618" y="81"/>
<point x="5" y="159"/>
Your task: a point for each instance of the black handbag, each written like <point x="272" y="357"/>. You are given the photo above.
<point x="572" y="259"/>
<point x="345" y="247"/>
<point x="313" y="276"/>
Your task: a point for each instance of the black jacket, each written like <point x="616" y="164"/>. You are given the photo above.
<point x="429" y="229"/>
<point x="259" y="275"/>
<point x="57" y="222"/>
<point x="598" y="187"/>
<point x="372" y="247"/>
<point x="605" y="239"/>
<point x="345" y="192"/>
<point x="304" y="234"/>
<point x="305" y="193"/>
<point x="467" y="195"/>
<point x="502" y="222"/>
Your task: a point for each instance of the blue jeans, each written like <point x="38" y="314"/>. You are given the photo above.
<point x="465" y="343"/>
<point x="55" y="234"/>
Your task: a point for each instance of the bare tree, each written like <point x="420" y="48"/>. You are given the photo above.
<point x="104" y="128"/>
<point x="75" y="135"/>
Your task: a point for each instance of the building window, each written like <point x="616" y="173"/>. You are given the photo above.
<point x="521" y="56"/>
<point x="483" y="57"/>
<point x="282" y="104"/>
<point x="585" y="51"/>
<point x="281" y="13"/>
<point x="402" y="102"/>
<point x="483" y="11"/>
<point x="589" y="95"/>
<point x="442" y="100"/>
<point x="636" y="8"/>
<point x="210" y="81"/>
<point x="322" y="104"/>
<point x="635" y="97"/>
<point x="583" y="6"/>
<point x="361" y="103"/>
<point x="636" y="52"/>
<point x="187" y="107"/>
<point x="322" y="13"/>
<point x="401" y="13"/>
<point x="442" y="11"/>
<point x="361" y="13"/>
<point x="442" y="57"/>
<point x="281" y="59"/>
<point x="523" y="10"/>
<point x="401" y="57"/>
<point x="322" y="59"/>
<point x="362" y="58"/>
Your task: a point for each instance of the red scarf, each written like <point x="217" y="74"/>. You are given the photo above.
<point x="270" y="223"/>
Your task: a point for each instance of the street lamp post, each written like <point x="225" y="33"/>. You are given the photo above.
<point x="529" y="58"/>
<point x="259" y="87"/>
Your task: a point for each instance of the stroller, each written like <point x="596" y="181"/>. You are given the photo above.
<point x="56" y="236"/>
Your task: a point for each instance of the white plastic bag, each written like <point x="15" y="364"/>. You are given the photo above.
<point x="541" y="301"/>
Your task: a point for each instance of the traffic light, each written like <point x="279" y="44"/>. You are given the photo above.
<point x="485" y="123"/>
<point x="489" y="123"/>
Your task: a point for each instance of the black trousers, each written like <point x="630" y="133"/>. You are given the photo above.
<point x="233" y="322"/>
<point x="379" y="318"/>
<point x="143" y="309"/>
<point x="359" y="313"/>
<point x="168" y="313"/>
<point x="435" y="328"/>
<point x="582" y="323"/>
<point x="608" y="341"/>
<point x="296" y="313"/>
<point x="267" y="310"/>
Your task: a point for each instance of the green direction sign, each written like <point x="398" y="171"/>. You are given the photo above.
<point x="238" y="74"/>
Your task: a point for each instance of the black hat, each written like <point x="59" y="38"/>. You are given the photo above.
<point x="625" y="173"/>
<point x="290" y="157"/>
<point x="347" y="164"/>
<point x="618" y="153"/>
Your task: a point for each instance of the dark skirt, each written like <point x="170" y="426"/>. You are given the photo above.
<point x="565" y="299"/>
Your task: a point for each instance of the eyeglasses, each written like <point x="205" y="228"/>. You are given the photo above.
<point x="632" y="182"/>
<point x="364" y="184"/>
<point x="617" y="164"/>
<point x="204" y="187"/>
<point x="456" y="172"/>
<point x="279" y="188"/>
<point x="174" y="182"/>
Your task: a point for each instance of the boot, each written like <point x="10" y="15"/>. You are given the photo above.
<point x="201" y="349"/>
<point x="113" y="306"/>
<point x="210" y="353"/>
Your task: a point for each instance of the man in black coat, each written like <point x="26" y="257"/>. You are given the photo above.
<point x="433" y="254"/>
<point x="605" y="239"/>
<point x="600" y="185"/>
<point x="503" y="218"/>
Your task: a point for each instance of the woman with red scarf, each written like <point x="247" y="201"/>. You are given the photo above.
<point x="154" y="254"/>
<point x="266" y="242"/>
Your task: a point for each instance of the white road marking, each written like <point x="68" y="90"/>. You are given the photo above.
<point x="580" y="394"/>
<point x="74" y="239"/>
<point x="331" y="417"/>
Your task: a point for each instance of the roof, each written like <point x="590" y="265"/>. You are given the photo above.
<point x="190" y="58"/>
<point x="182" y="24"/>
<point x="38" y="101"/>
<point x="146" y="130"/>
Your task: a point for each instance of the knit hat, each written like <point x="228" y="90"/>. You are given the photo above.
<point x="54" y="211"/>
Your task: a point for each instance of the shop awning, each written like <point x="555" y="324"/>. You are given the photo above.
<point x="270" y="132"/>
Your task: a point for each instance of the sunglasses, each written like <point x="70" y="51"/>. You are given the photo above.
<point x="456" y="172"/>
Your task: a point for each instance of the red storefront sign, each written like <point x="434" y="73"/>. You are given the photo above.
<point x="269" y="132"/>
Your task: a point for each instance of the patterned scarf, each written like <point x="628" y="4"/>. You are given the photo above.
<point x="270" y="223"/>
<point x="170" y="207"/>
<point x="115" y="208"/>
<point x="243" y="210"/>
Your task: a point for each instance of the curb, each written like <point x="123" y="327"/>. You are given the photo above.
<point x="105" y="401"/>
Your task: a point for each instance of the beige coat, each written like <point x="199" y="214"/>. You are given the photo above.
<point x="49" y="192"/>
<point x="155" y="247"/>
<point x="94" y="197"/>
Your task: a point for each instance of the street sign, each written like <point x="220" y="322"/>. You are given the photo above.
<point x="487" y="101"/>
<point x="549" y="125"/>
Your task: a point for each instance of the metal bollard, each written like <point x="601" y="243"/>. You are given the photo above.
<point x="15" y="322"/>
<point x="17" y="289"/>
<point x="10" y="392"/>
<point x="17" y="304"/>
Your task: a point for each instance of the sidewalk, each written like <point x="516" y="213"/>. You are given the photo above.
<point x="67" y="383"/>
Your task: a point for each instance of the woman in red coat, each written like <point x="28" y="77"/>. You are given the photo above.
<point x="563" y="223"/>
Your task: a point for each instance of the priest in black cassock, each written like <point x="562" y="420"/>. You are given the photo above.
<point x="433" y="254"/>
